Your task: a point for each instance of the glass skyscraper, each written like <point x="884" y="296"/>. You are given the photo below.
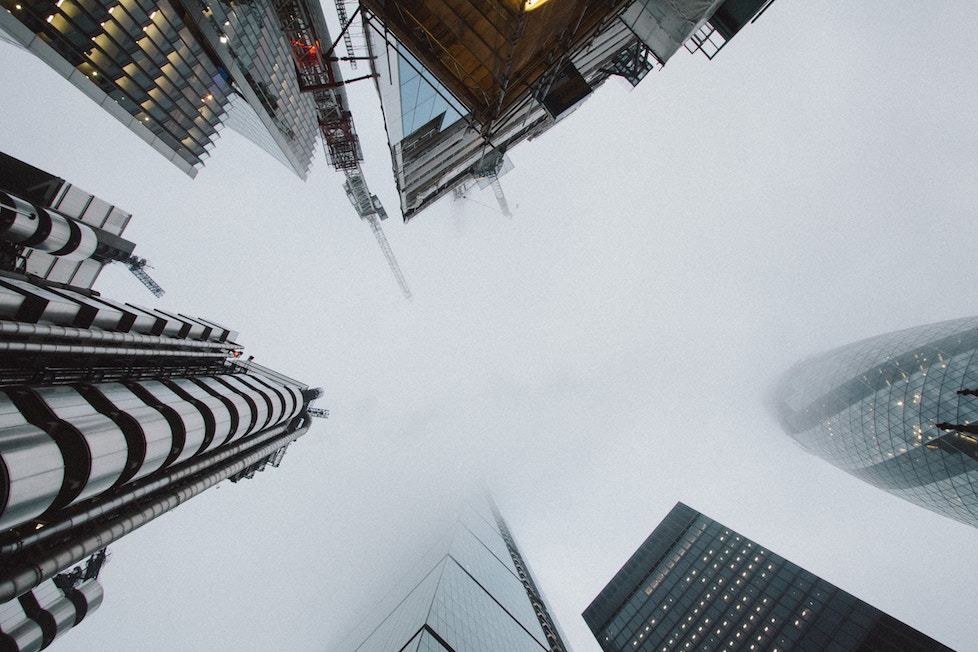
<point x="175" y="71"/>
<point x="695" y="584"/>
<point x="471" y="592"/>
<point x="899" y="411"/>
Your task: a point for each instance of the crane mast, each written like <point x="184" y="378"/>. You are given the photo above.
<point x="318" y="73"/>
<point x="138" y="267"/>
<point x="497" y="189"/>
<point x="370" y="210"/>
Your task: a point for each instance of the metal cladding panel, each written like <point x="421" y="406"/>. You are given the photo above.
<point x="107" y="317"/>
<point x="225" y="414"/>
<point x="87" y="597"/>
<point x="154" y="431"/>
<point x="174" y="327"/>
<point x="48" y="606"/>
<point x="146" y="323"/>
<point x="45" y="230"/>
<point x="258" y="400"/>
<point x="209" y="333"/>
<point x="193" y="330"/>
<point x="85" y="273"/>
<point x="275" y="396"/>
<point x="97" y="313"/>
<point x="32" y="467"/>
<point x="18" y="632"/>
<point x="16" y="306"/>
<point x="194" y="426"/>
<point x="664" y="26"/>
<point x="105" y="443"/>
<point x="220" y="333"/>
<point x="126" y="317"/>
<point x="244" y="409"/>
<point x="45" y="305"/>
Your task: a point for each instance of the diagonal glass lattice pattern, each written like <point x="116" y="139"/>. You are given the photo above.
<point x="895" y="410"/>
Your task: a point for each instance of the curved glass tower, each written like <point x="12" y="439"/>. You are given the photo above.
<point x="898" y="410"/>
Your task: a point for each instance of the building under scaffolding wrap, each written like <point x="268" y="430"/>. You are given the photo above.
<point x="111" y="414"/>
<point x="462" y="81"/>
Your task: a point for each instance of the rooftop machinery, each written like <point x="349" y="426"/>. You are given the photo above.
<point x="318" y="72"/>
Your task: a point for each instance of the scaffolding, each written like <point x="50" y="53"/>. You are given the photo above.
<point x="318" y="73"/>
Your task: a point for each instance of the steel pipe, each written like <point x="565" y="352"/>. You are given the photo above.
<point x="66" y="349"/>
<point x="19" y="579"/>
<point x="136" y="493"/>
<point x="49" y="331"/>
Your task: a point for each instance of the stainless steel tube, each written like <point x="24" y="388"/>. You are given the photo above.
<point x="49" y="331"/>
<point x="16" y="580"/>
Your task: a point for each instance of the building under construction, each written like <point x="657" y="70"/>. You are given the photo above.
<point x="462" y="81"/>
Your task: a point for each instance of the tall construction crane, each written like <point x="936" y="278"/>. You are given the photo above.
<point x="369" y="209"/>
<point x="487" y="172"/>
<point x="497" y="190"/>
<point x="318" y="73"/>
<point x="138" y="267"/>
<point x="346" y="23"/>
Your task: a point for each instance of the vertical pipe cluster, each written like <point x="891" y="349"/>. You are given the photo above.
<point x="25" y="224"/>
<point x="32" y="621"/>
<point x="62" y="445"/>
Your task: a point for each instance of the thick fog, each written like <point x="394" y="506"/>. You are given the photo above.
<point x="595" y="359"/>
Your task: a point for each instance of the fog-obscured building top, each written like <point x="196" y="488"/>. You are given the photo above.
<point x="471" y="592"/>
<point x="695" y="584"/>
<point x="460" y="83"/>
<point x="898" y="410"/>
<point x="171" y="70"/>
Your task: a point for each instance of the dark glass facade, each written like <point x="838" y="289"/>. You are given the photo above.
<point x="898" y="410"/>
<point x="169" y="69"/>
<point x="695" y="584"/>
<point x="472" y="592"/>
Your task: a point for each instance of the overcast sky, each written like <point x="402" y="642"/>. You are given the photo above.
<point x="597" y="358"/>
